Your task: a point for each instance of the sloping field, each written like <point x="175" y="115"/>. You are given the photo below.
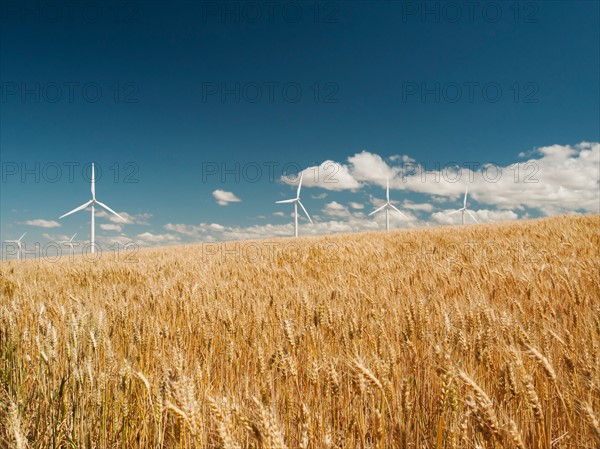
<point x="457" y="337"/>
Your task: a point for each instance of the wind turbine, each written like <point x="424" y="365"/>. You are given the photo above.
<point x="297" y="201"/>
<point x="387" y="207"/>
<point x="70" y="243"/>
<point x="92" y="202"/>
<point x="18" y="243"/>
<point x="464" y="209"/>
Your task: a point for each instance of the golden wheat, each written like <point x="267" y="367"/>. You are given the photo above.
<point x="450" y="337"/>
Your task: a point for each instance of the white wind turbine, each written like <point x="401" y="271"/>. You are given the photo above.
<point x="464" y="209"/>
<point x="92" y="202"/>
<point x="387" y="207"/>
<point x="297" y="201"/>
<point x="70" y="243"/>
<point x="18" y="243"/>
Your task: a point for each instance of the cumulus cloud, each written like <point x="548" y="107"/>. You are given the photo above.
<point x="335" y="209"/>
<point x="555" y="179"/>
<point x="425" y="207"/>
<point x="41" y="223"/>
<point x="202" y="233"/>
<point x="111" y="227"/>
<point x="148" y="238"/>
<point x="223" y="198"/>
<point x="329" y="175"/>
<point x="482" y="216"/>
<point x="370" y="167"/>
<point x="354" y="205"/>
<point x="138" y="219"/>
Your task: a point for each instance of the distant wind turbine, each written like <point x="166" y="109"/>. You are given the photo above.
<point x="92" y="202"/>
<point x="387" y="207"/>
<point x="70" y="243"/>
<point x="18" y="243"/>
<point x="297" y="201"/>
<point x="464" y="209"/>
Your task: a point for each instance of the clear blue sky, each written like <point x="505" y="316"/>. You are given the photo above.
<point x="161" y="68"/>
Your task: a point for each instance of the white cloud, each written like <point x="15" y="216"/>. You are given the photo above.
<point x="370" y="167"/>
<point x="123" y="241"/>
<point x="216" y="227"/>
<point x="185" y="229"/>
<point x="482" y="215"/>
<point x="111" y="227"/>
<point x="279" y="214"/>
<point x="335" y="209"/>
<point x="56" y="237"/>
<point x="223" y="198"/>
<point x="561" y="179"/>
<point x="354" y="205"/>
<point x="148" y="238"/>
<point x="139" y="219"/>
<point x="426" y="207"/>
<point x="41" y="223"/>
<point x="329" y="175"/>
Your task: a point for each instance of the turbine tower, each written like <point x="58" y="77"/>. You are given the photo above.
<point x="70" y="243"/>
<point x="297" y="201"/>
<point x="387" y="207"/>
<point x="464" y="209"/>
<point x="93" y="202"/>
<point x="18" y="243"/>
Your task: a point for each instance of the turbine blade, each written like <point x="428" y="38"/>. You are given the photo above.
<point x="110" y="210"/>
<point x="20" y="238"/>
<point x="378" y="209"/>
<point x="73" y="237"/>
<point x="472" y="216"/>
<point x="83" y="206"/>
<point x="299" y="185"/>
<point x="93" y="182"/>
<point x="302" y="206"/>
<point x="387" y="189"/>
<point x="398" y="210"/>
<point x="465" y="200"/>
<point x="454" y="212"/>
<point x="285" y="201"/>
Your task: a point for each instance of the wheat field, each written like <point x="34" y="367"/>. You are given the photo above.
<point x="454" y="337"/>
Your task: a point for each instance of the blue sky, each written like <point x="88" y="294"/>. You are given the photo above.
<point x="161" y="92"/>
